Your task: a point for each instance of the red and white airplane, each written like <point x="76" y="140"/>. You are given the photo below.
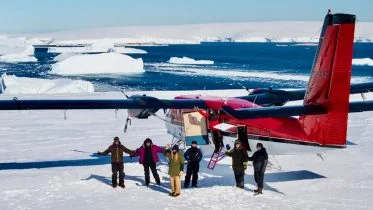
<point x="259" y="116"/>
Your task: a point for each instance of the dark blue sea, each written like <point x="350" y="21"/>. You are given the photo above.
<point x="252" y="65"/>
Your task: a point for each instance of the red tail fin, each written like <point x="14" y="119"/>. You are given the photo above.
<point x="329" y="84"/>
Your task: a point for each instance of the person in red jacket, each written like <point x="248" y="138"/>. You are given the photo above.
<point x="148" y="158"/>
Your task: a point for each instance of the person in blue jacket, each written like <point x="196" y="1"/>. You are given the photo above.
<point x="193" y="156"/>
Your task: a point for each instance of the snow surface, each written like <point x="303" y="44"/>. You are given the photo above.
<point x="11" y="84"/>
<point x="98" y="63"/>
<point x="271" y="31"/>
<point x="25" y="56"/>
<point x="362" y="61"/>
<point x="186" y="60"/>
<point x="56" y="167"/>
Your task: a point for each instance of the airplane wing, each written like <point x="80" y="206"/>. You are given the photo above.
<point x="133" y="102"/>
<point x="268" y="96"/>
<point x="288" y="111"/>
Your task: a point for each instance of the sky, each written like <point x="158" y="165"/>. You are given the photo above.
<point x="28" y="16"/>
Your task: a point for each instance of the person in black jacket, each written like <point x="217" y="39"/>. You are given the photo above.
<point x="193" y="156"/>
<point x="260" y="160"/>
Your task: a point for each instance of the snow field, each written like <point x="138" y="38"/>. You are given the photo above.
<point x="44" y="140"/>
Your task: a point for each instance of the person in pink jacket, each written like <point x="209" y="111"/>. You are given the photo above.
<point x="148" y="153"/>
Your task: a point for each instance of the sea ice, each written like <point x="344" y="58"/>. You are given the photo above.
<point x="186" y="60"/>
<point x="11" y="84"/>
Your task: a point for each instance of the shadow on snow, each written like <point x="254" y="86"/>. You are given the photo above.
<point x="208" y="178"/>
<point x="107" y="181"/>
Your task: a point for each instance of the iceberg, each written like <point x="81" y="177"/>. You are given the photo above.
<point x="89" y="49"/>
<point x="103" y="63"/>
<point x="12" y="45"/>
<point x="362" y="61"/>
<point x="11" y="84"/>
<point x="26" y="56"/>
<point x="129" y="50"/>
<point x="98" y="46"/>
<point x="186" y="60"/>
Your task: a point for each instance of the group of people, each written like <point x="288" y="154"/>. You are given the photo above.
<point x="148" y="154"/>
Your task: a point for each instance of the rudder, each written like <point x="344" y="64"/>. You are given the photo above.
<point x="329" y="84"/>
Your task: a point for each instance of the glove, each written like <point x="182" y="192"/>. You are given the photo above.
<point x="181" y="173"/>
<point x="228" y="147"/>
<point x="98" y="153"/>
<point x="245" y="165"/>
<point x="167" y="146"/>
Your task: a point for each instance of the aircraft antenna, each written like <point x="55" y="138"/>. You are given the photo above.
<point x="122" y="91"/>
<point x="256" y="96"/>
<point x="244" y="87"/>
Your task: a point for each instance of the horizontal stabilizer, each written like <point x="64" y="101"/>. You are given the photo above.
<point x="361" y="88"/>
<point x="361" y="106"/>
<point x="268" y="96"/>
<point x="288" y="111"/>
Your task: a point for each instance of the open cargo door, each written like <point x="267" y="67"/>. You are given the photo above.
<point x="195" y="128"/>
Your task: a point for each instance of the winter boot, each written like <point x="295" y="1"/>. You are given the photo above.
<point x="122" y="185"/>
<point x="114" y="185"/>
<point x="171" y="194"/>
<point x="158" y="181"/>
<point x="258" y="192"/>
<point x="176" y="195"/>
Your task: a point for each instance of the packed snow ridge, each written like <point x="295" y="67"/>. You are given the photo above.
<point x="25" y="56"/>
<point x="114" y="63"/>
<point x="11" y="84"/>
<point x="186" y="60"/>
<point x="362" y="61"/>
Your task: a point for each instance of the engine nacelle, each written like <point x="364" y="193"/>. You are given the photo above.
<point x="141" y="113"/>
<point x="277" y="97"/>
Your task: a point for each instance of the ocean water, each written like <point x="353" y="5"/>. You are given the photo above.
<point x="252" y="65"/>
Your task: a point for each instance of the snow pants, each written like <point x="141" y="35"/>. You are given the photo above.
<point x="239" y="177"/>
<point x="115" y="169"/>
<point x="259" y="174"/>
<point x="192" y="170"/>
<point x="153" y="168"/>
<point x="175" y="182"/>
